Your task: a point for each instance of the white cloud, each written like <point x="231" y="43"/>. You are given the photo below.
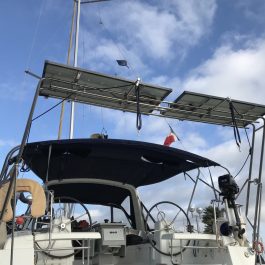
<point x="194" y="142"/>
<point x="100" y="53"/>
<point x="194" y="18"/>
<point x="164" y="31"/>
<point x="238" y="74"/>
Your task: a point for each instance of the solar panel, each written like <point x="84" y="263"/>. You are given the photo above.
<point x="63" y="81"/>
<point x="211" y="109"/>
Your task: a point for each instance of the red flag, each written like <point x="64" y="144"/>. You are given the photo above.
<point x="171" y="138"/>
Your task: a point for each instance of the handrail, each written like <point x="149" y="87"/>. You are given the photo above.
<point x="7" y="162"/>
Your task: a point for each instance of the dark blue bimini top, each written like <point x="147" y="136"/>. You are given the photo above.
<point x="131" y="162"/>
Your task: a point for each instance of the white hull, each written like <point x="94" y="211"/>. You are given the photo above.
<point x="206" y="251"/>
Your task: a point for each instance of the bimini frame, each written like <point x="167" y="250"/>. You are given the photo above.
<point x="65" y="82"/>
<point x="255" y="224"/>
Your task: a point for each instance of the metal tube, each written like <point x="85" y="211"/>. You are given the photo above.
<point x="83" y="253"/>
<point x="168" y="103"/>
<point x="24" y="139"/>
<point x="6" y="163"/>
<point x="8" y="194"/>
<point x="208" y="247"/>
<point x="68" y="62"/>
<point x="51" y="218"/>
<point x="193" y="191"/>
<point x="71" y="133"/>
<point x="58" y="249"/>
<point x="204" y="182"/>
<point x="215" y="224"/>
<point x="258" y="196"/>
<point x="260" y="205"/>
<point x="88" y="251"/>
<point x="259" y="128"/>
<point x="250" y="170"/>
<point x="28" y="125"/>
<point x="111" y="214"/>
<point x="215" y="195"/>
<point x="155" y="107"/>
<point x="15" y="173"/>
<point x="76" y="92"/>
<point x="93" y="1"/>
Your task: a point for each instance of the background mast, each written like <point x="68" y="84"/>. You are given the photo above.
<point x="71" y="131"/>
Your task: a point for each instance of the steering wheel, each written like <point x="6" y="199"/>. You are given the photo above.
<point x="62" y="224"/>
<point x="168" y="223"/>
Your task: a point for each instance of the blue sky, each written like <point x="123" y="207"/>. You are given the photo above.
<point x="214" y="47"/>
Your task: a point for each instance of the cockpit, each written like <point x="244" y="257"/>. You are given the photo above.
<point x="88" y="208"/>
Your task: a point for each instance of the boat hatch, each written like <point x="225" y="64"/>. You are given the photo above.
<point x="192" y="106"/>
<point x="130" y="162"/>
<point x="63" y="81"/>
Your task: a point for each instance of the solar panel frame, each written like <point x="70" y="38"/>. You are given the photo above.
<point x="89" y="87"/>
<point x="198" y="107"/>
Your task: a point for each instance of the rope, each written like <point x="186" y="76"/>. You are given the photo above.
<point x="242" y="166"/>
<point x="235" y="127"/>
<point x="247" y="137"/>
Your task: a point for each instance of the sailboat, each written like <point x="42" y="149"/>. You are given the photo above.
<point x="58" y="226"/>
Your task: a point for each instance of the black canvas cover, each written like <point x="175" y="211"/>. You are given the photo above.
<point x="131" y="162"/>
<point x="90" y="193"/>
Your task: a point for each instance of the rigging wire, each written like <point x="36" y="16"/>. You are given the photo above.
<point x="247" y="137"/>
<point x="122" y="54"/>
<point x="33" y="42"/>
<point x="59" y="27"/>
<point x="242" y="166"/>
<point x="35" y="32"/>
<point x="53" y="107"/>
<point x="248" y="156"/>
<point x="235" y="125"/>
<point x="103" y="131"/>
<point x="201" y="172"/>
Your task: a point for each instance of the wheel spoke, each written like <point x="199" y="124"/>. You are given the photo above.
<point x="75" y="218"/>
<point x="169" y="225"/>
<point x="174" y="219"/>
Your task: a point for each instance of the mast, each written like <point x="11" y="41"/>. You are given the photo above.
<point x="68" y="62"/>
<point x="77" y="3"/>
<point x="71" y="130"/>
